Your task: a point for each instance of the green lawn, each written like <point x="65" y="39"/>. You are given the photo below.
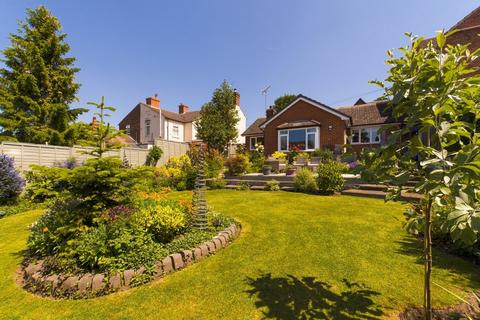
<point x="324" y="257"/>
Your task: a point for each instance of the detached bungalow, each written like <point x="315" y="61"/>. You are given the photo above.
<point x="308" y="124"/>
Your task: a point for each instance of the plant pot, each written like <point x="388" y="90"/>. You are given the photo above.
<point x="291" y="171"/>
<point x="267" y="170"/>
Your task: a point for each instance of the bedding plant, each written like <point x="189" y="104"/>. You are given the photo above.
<point x="107" y="218"/>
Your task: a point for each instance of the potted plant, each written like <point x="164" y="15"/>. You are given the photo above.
<point x="290" y="170"/>
<point x="279" y="156"/>
<point x="267" y="170"/>
<point x="302" y="158"/>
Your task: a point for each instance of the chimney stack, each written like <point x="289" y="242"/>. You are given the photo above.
<point x="270" y="112"/>
<point x="153" y="102"/>
<point x="95" y="123"/>
<point x="237" y="97"/>
<point x="183" y="108"/>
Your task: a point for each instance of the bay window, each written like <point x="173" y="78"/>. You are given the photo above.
<point x="303" y="139"/>
<point x="366" y="135"/>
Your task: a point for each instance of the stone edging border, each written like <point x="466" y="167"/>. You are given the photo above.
<point x="93" y="285"/>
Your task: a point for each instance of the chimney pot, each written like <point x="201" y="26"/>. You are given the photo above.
<point x="183" y="108"/>
<point x="153" y="102"/>
<point x="95" y="123"/>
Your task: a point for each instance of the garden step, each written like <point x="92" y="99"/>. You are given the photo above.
<point x="257" y="182"/>
<point x="261" y="177"/>
<point x="234" y="187"/>
<point x="379" y="194"/>
<point x="370" y="186"/>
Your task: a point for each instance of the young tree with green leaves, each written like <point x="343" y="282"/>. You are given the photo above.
<point x="104" y="133"/>
<point x="154" y="154"/>
<point x="217" y="125"/>
<point x="281" y="102"/>
<point x="436" y="92"/>
<point x="37" y="84"/>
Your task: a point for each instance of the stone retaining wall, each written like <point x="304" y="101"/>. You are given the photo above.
<point x="92" y="285"/>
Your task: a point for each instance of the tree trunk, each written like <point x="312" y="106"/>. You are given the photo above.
<point x="428" y="260"/>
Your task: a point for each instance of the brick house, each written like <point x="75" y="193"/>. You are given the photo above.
<point x="308" y="124"/>
<point x="148" y="121"/>
<point x="467" y="32"/>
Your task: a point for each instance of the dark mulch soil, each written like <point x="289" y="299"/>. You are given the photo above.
<point x="459" y="311"/>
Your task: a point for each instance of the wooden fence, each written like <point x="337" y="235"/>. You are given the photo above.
<point x="26" y="154"/>
<point x="171" y="149"/>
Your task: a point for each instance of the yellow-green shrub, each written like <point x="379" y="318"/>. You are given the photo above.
<point x="164" y="220"/>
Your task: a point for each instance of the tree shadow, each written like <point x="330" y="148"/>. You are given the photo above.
<point x="292" y="297"/>
<point x="441" y="259"/>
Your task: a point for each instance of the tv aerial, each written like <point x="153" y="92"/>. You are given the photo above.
<point x="265" y="93"/>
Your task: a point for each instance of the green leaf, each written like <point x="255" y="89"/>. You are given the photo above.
<point x="461" y="205"/>
<point x="475" y="223"/>
<point x="455" y="214"/>
<point x="468" y="236"/>
<point x="445" y="190"/>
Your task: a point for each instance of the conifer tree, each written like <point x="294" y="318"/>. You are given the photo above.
<point x="104" y="134"/>
<point x="37" y="84"/>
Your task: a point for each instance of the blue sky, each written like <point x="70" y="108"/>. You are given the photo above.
<point x="182" y="50"/>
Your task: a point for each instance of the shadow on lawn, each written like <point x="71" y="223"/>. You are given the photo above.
<point x="441" y="259"/>
<point x="291" y="297"/>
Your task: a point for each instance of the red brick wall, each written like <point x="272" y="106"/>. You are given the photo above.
<point x="132" y="119"/>
<point x="305" y="111"/>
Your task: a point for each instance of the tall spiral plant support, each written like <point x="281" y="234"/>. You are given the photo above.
<point x="199" y="202"/>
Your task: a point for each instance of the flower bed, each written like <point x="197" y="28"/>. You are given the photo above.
<point x="107" y="227"/>
<point x="91" y="285"/>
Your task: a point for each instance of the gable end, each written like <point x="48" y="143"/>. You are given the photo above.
<point x="311" y="102"/>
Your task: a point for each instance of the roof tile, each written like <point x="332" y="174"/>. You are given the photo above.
<point x="254" y="128"/>
<point x="375" y="112"/>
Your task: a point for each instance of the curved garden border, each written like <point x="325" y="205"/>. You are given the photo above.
<point x="93" y="285"/>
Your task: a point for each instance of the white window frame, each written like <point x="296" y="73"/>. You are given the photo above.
<point x="147" y="127"/>
<point x="175" y="131"/>
<point x="286" y="133"/>
<point x="370" y="131"/>
<point x="252" y="144"/>
<point x="127" y="129"/>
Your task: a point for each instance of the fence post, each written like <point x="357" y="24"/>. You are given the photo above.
<point x="21" y="157"/>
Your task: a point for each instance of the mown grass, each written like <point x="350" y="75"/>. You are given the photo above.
<point x="322" y="257"/>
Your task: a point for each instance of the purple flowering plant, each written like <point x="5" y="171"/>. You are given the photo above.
<point x="11" y="183"/>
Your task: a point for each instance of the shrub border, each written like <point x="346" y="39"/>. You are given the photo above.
<point x="94" y="285"/>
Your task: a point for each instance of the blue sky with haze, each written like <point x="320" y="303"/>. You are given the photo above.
<point x="182" y="50"/>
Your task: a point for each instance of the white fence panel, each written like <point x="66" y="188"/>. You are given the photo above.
<point x="171" y="149"/>
<point x="26" y="154"/>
